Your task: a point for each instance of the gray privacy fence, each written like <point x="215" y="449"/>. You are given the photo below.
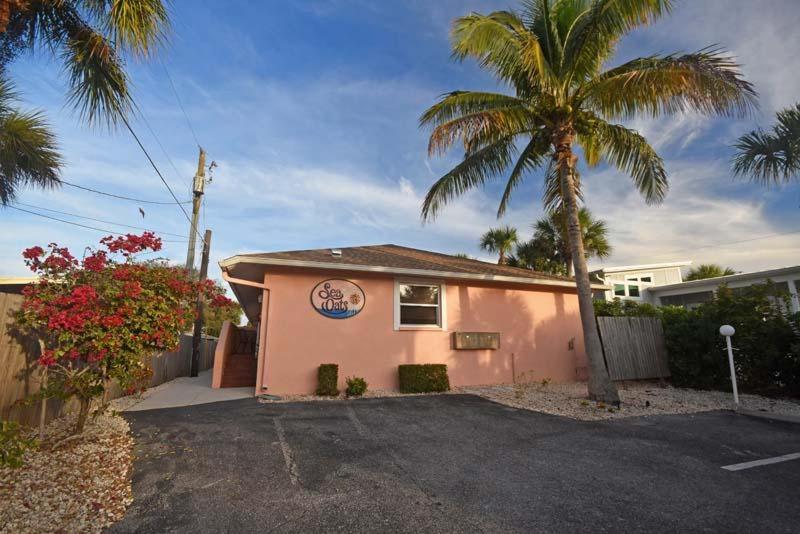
<point x="634" y="347"/>
<point x="19" y="372"/>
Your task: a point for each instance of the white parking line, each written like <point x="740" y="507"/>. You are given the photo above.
<point x="765" y="461"/>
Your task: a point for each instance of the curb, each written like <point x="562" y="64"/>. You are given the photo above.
<point x="770" y="416"/>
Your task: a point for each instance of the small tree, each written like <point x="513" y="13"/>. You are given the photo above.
<point x="102" y="318"/>
<point x="499" y="240"/>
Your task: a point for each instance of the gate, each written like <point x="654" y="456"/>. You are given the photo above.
<point x="634" y="347"/>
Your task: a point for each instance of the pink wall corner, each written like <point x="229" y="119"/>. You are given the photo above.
<point x="536" y="325"/>
<point x="261" y="379"/>
<point x="221" y="353"/>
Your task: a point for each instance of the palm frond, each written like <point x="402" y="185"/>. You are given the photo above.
<point x="28" y="154"/>
<point x="137" y="26"/>
<point x="98" y="83"/>
<point x="474" y="171"/>
<point x="552" y="194"/>
<point x="630" y="152"/>
<point x="708" y="81"/>
<point x="771" y="158"/>
<point x="763" y="158"/>
<point x="459" y="103"/>
<point x="532" y="157"/>
<point x="479" y="129"/>
<point x="501" y="43"/>
<point x="537" y="17"/>
<point x="597" y="26"/>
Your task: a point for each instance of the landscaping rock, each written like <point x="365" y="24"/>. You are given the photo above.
<point x="81" y="485"/>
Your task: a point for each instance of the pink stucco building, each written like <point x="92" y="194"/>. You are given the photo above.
<point x="372" y="308"/>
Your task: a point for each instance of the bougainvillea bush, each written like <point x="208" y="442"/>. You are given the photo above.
<point x="101" y="318"/>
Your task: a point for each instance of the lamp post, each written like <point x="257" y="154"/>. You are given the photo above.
<point x="727" y="331"/>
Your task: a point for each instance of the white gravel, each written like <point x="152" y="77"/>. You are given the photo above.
<point x="80" y="486"/>
<point x="638" y="399"/>
<point x="570" y="400"/>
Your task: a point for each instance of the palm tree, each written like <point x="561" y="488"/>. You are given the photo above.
<point x="28" y="154"/>
<point x="553" y="229"/>
<point x="708" y="270"/>
<point x="500" y="240"/>
<point x="552" y="55"/>
<point x="539" y="255"/>
<point x="89" y="37"/>
<point x="771" y="158"/>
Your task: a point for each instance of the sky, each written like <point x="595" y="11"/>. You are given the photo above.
<point x="310" y="111"/>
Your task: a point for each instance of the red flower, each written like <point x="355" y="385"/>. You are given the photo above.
<point x="132" y="289"/>
<point x="95" y="262"/>
<point x="47" y="359"/>
<point x="32" y="253"/>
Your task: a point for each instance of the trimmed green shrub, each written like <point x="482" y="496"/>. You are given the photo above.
<point x="766" y="345"/>
<point x="13" y="444"/>
<point x="423" y="378"/>
<point x="356" y="386"/>
<point x="327" y="380"/>
<point x="624" y="308"/>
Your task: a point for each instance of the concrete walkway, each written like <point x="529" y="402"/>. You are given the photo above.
<point x="183" y="391"/>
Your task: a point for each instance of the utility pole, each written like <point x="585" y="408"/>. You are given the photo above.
<point x="199" y="185"/>
<point x="198" y="322"/>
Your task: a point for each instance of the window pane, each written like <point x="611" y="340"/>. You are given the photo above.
<point x="646" y="279"/>
<point x="419" y="294"/>
<point x="619" y="290"/>
<point x="633" y="291"/>
<point x="419" y="315"/>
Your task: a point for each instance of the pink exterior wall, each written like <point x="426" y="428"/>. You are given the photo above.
<point x="535" y="325"/>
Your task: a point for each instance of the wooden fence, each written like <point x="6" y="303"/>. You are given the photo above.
<point x="634" y="347"/>
<point x="19" y="373"/>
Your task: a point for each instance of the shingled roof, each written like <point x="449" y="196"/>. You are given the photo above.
<point x="393" y="257"/>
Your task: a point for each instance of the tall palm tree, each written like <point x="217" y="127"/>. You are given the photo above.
<point x="708" y="270"/>
<point x="89" y="37"/>
<point x="552" y="55"/>
<point x="594" y="234"/>
<point x="771" y="158"/>
<point x="499" y="240"/>
<point x="28" y="154"/>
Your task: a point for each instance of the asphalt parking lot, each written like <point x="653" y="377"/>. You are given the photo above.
<point x="454" y="463"/>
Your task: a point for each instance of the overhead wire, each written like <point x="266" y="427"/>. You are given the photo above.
<point x="142" y="201"/>
<point x="180" y="103"/>
<point x="104" y="230"/>
<point x="718" y="245"/>
<point x="158" y="172"/>
<point x="162" y="232"/>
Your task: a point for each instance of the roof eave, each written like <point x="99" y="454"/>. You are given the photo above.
<point x="233" y="260"/>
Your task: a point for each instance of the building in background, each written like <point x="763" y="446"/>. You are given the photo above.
<point x="662" y="284"/>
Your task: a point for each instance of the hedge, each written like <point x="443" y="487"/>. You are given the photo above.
<point x="766" y="344"/>
<point x="423" y="378"/>
<point x="327" y="380"/>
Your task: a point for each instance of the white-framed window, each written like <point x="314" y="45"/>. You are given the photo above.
<point x="633" y="286"/>
<point x="419" y="305"/>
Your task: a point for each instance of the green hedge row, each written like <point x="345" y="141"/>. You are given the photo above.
<point x="423" y="378"/>
<point x="766" y="344"/>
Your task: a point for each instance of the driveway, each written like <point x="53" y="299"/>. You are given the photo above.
<point x="454" y="463"/>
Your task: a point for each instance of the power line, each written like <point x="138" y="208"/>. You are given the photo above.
<point x="180" y="103"/>
<point x="759" y="238"/>
<point x="105" y="231"/>
<point x="155" y="168"/>
<point x="121" y="196"/>
<point x="98" y="220"/>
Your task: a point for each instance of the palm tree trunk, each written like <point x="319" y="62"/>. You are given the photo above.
<point x="601" y="388"/>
